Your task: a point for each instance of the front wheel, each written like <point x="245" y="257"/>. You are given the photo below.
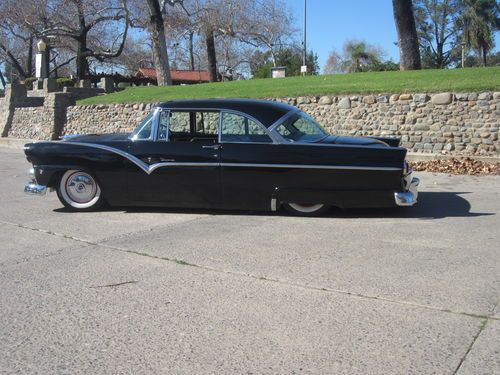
<point x="305" y="209"/>
<point x="79" y="191"/>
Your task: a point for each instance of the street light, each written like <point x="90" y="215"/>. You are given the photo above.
<point x="41" y="45"/>
<point x="42" y="59"/>
<point x="303" y="68"/>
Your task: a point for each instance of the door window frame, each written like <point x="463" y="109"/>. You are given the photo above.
<point x="248" y="117"/>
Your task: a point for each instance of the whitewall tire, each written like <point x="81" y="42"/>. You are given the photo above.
<point x="79" y="191"/>
<point x="302" y="209"/>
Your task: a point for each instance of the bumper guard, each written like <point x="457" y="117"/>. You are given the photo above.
<point x="409" y="197"/>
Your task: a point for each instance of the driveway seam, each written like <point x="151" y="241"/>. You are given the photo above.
<point x="484" y="322"/>
<point x="255" y="277"/>
<point x="154" y="228"/>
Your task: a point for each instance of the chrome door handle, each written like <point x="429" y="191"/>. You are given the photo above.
<point x="212" y="147"/>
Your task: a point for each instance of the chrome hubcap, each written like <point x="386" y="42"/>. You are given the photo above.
<point x="81" y="187"/>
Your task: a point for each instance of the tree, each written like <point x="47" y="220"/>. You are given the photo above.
<point x="358" y="56"/>
<point x="478" y="20"/>
<point x="436" y="27"/>
<point x="267" y="25"/>
<point x="157" y="32"/>
<point x="290" y="57"/>
<point x="409" y="53"/>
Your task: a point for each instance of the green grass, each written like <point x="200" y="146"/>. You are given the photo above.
<point x="457" y="80"/>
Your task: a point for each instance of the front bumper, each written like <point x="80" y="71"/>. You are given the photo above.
<point x="32" y="188"/>
<point x="408" y="197"/>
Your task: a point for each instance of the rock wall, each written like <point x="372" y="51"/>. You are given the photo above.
<point x="97" y="119"/>
<point x="460" y="123"/>
<point x="44" y="121"/>
<point x="451" y="123"/>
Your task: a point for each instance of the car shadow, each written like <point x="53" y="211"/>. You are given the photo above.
<point x="431" y="205"/>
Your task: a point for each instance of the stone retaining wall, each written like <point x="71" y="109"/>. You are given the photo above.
<point x="444" y="123"/>
<point x="97" y="119"/>
<point x="460" y="123"/>
<point x="451" y="123"/>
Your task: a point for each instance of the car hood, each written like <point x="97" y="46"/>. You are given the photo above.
<point x="353" y="141"/>
<point x="97" y="138"/>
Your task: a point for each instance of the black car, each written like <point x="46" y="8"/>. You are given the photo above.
<point x="230" y="154"/>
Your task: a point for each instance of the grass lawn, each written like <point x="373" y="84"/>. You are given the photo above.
<point x="457" y="80"/>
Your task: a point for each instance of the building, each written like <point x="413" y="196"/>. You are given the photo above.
<point x="179" y="77"/>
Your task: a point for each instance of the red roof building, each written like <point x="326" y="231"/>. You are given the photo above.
<point x="179" y="77"/>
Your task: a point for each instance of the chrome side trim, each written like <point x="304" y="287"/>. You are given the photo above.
<point x="151" y="168"/>
<point x="309" y="166"/>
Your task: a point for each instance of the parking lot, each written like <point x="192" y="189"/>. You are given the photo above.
<point x="159" y="291"/>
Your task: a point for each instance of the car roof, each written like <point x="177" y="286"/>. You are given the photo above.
<point x="265" y="111"/>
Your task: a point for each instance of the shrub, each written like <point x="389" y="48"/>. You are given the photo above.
<point x="65" y="82"/>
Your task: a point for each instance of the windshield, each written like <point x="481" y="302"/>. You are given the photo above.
<point x="301" y="128"/>
<point x="144" y="129"/>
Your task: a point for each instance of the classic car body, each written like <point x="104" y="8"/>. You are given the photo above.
<point x="232" y="153"/>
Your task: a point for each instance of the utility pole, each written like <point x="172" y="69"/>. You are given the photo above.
<point x="303" y="69"/>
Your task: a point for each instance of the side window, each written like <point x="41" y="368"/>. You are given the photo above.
<point x="180" y="122"/>
<point x="143" y="131"/>
<point x="237" y="128"/>
<point x="207" y="123"/>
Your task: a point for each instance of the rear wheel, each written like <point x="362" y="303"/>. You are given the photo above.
<point x="306" y="209"/>
<point x="79" y="191"/>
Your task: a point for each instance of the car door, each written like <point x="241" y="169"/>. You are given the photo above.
<point x="246" y="149"/>
<point x="183" y="161"/>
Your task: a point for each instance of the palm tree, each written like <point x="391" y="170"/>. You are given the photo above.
<point x="479" y="19"/>
<point x="357" y="55"/>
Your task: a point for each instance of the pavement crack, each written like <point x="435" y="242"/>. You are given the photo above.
<point x="151" y="229"/>
<point x="484" y="322"/>
<point x="113" y="285"/>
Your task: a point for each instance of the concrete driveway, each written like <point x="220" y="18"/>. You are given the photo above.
<point x="151" y="291"/>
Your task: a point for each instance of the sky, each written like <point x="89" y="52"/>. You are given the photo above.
<point x="331" y="22"/>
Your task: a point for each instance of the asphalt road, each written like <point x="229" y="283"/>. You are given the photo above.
<point x="155" y="291"/>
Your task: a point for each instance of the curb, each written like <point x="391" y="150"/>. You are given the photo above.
<point x="18" y="144"/>
<point x="14" y="143"/>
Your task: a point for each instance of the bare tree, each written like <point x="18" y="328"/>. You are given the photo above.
<point x="84" y="26"/>
<point x="407" y="35"/>
<point x="266" y="24"/>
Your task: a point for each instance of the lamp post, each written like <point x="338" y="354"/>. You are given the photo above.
<point x="42" y="59"/>
<point x="303" y="68"/>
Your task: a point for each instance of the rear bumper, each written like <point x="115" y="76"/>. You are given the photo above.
<point x="408" y="197"/>
<point x="33" y="188"/>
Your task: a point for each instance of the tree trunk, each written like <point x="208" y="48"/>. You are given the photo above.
<point x="13" y="62"/>
<point x="409" y="52"/>
<point x="212" y="58"/>
<point x="2" y="79"/>
<point x="160" y="55"/>
<point x="485" y="53"/>
<point x="82" y="64"/>
<point x="29" y="59"/>
<point x="191" y="50"/>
